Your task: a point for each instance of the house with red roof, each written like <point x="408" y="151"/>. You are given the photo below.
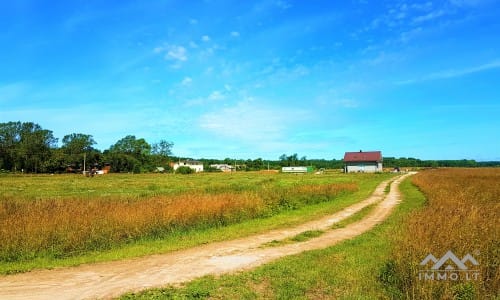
<point x="369" y="161"/>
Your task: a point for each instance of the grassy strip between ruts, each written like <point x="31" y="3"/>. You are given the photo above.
<point x="349" y="270"/>
<point x="307" y="235"/>
<point x="189" y="238"/>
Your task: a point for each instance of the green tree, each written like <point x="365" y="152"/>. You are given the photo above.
<point x="35" y="145"/>
<point x="77" y="143"/>
<point x="10" y="137"/>
<point x="161" y="152"/>
<point x="137" y="149"/>
<point x="75" y="146"/>
<point x="162" y="148"/>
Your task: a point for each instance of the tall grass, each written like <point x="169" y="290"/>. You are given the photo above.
<point x="345" y="271"/>
<point x="57" y="226"/>
<point x="461" y="215"/>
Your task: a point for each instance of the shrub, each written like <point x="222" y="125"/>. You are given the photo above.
<point x="184" y="170"/>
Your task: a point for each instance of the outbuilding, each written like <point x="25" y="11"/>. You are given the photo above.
<point x="370" y="161"/>
<point x="193" y="164"/>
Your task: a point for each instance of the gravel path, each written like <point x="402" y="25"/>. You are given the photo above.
<point x="111" y="279"/>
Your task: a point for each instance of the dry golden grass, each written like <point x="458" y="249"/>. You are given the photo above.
<point x="66" y="226"/>
<point x="462" y="215"/>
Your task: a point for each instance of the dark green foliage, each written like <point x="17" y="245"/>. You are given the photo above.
<point x="184" y="170"/>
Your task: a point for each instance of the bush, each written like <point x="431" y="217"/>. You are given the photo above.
<point x="184" y="170"/>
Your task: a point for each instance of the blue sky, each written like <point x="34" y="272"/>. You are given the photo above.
<point x="248" y="79"/>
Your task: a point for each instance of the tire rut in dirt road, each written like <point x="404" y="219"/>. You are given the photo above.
<point x="110" y="279"/>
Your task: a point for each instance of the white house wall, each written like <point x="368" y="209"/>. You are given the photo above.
<point x="364" y="167"/>
<point x="196" y="168"/>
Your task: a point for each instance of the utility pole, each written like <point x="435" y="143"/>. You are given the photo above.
<point x="84" y="161"/>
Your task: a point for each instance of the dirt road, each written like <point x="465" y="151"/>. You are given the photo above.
<point x="105" y="280"/>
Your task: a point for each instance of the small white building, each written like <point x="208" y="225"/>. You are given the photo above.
<point x="296" y="169"/>
<point x="193" y="164"/>
<point x="370" y="161"/>
<point x="223" y="167"/>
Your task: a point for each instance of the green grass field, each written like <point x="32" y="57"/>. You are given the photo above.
<point x="67" y="220"/>
<point x="349" y="270"/>
<point x="383" y="263"/>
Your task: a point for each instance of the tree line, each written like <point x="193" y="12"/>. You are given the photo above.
<point x="27" y="147"/>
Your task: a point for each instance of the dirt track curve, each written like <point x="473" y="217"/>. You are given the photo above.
<point x="111" y="279"/>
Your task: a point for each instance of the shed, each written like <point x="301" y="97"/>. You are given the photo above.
<point x="296" y="169"/>
<point x="369" y="161"/>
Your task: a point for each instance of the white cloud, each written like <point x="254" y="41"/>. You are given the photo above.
<point x="422" y="6"/>
<point x="186" y="81"/>
<point x="453" y="73"/>
<point x="215" y="96"/>
<point x="158" y="50"/>
<point x="466" y="71"/>
<point x="251" y="122"/>
<point x="408" y="35"/>
<point x="193" y="21"/>
<point x="235" y="34"/>
<point x="430" y="16"/>
<point x="176" y="53"/>
<point x="205" y="38"/>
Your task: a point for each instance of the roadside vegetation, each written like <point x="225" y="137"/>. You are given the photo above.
<point x="461" y="215"/>
<point x="348" y="270"/>
<point x="48" y="221"/>
<point x="445" y="209"/>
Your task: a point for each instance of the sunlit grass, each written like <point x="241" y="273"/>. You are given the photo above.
<point x="139" y="215"/>
<point x="461" y="215"/>
<point x="348" y="270"/>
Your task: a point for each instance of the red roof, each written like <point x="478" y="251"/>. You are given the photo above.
<point x="363" y="156"/>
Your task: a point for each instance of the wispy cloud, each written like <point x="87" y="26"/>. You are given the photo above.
<point x="453" y="73"/>
<point x="186" y="81"/>
<point x="176" y="53"/>
<point x="13" y="91"/>
<point x="249" y="121"/>
<point x="215" y="96"/>
<point x="430" y="16"/>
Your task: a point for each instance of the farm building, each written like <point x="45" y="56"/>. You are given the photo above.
<point x="296" y="169"/>
<point x="193" y="164"/>
<point x="223" y="167"/>
<point x="370" y="161"/>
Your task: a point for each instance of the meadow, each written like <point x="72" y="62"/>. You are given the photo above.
<point x="46" y="221"/>
<point x="443" y="209"/>
<point x="461" y="215"/>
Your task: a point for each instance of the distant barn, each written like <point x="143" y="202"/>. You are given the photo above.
<point x="370" y="161"/>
